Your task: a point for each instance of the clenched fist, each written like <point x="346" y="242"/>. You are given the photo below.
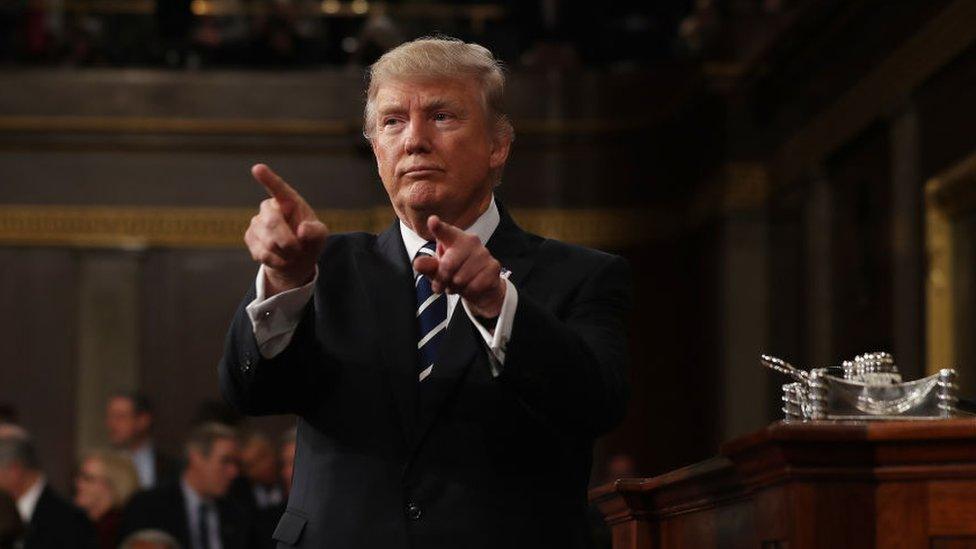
<point x="463" y="266"/>
<point x="285" y="236"/>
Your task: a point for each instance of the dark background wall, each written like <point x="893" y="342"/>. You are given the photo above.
<point x="763" y="166"/>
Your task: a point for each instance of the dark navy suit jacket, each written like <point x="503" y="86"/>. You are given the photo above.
<point x="462" y="459"/>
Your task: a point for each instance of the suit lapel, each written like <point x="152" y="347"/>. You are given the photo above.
<point x="512" y="247"/>
<point x="388" y="279"/>
<point x="182" y="525"/>
<point x="462" y="342"/>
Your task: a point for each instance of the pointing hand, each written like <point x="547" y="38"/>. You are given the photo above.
<point x="285" y="236"/>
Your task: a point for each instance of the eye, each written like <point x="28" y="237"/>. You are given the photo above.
<point x="443" y="116"/>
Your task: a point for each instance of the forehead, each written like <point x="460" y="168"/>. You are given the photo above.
<point x="121" y="403"/>
<point x="224" y="446"/>
<point x="420" y="92"/>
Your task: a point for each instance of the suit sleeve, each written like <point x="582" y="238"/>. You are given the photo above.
<point x="570" y="366"/>
<point x="280" y="385"/>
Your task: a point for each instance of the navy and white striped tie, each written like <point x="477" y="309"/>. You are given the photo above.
<point x="431" y="318"/>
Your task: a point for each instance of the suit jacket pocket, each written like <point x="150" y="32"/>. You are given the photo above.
<point x="290" y="527"/>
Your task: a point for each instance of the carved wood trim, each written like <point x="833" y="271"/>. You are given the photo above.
<point x="159" y="125"/>
<point x="936" y="44"/>
<point x="184" y="227"/>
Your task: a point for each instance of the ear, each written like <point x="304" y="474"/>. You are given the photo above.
<point x="194" y="456"/>
<point x="501" y="143"/>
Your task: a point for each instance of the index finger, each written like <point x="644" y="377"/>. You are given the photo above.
<point x="275" y="185"/>
<point x="444" y="232"/>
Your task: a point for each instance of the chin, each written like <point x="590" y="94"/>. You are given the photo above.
<point x="422" y="196"/>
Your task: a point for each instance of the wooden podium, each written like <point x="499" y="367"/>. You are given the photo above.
<point x="810" y="485"/>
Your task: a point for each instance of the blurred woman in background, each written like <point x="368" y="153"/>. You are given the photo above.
<point x="105" y="482"/>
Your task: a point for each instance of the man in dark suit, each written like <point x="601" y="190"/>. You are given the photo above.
<point x="259" y="488"/>
<point x="129" y="422"/>
<point x="449" y="384"/>
<point x="194" y="510"/>
<point x="52" y="522"/>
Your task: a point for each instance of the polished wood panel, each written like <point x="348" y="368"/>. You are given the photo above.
<point x="810" y="485"/>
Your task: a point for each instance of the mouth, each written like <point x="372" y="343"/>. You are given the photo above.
<point x="421" y="171"/>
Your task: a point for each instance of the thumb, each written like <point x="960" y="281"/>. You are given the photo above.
<point x="426" y="265"/>
<point x="312" y="233"/>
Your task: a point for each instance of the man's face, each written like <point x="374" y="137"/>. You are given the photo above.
<point x="125" y="426"/>
<point x="259" y="462"/>
<point x="287" y="464"/>
<point x="9" y="476"/>
<point x="435" y="149"/>
<point x="218" y="469"/>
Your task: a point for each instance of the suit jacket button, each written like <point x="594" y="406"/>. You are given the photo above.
<point x="413" y="511"/>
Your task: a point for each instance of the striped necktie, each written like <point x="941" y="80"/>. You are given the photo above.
<point x="431" y="318"/>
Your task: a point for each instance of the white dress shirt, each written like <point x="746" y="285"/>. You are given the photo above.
<point x="275" y="319"/>
<point x="145" y="465"/>
<point x="27" y="502"/>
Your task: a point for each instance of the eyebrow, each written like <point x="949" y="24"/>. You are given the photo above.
<point x="434" y="104"/>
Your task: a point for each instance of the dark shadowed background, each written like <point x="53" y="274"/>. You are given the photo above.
<point x="785" y="176"/>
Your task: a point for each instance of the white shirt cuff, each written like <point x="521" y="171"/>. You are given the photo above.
<point x="274" y="319"/>
<point x="497" y="340"/>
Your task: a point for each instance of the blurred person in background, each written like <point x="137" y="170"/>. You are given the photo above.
<point x="259" y="487"/>
<point x="105" y="482"/>
<point x="129" y="421"/>
<point x="259" y="463"/>
<point x="194" y="510"/>
<point x="287" y="454"/>
<point x="150" y="539"/>
<point x="52" y="522"/>
<point x="11" y="525"/>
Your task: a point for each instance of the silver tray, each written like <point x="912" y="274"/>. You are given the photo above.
<point x="866" y="388"/>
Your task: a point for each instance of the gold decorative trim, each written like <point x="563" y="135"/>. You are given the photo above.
<point x="176" y="125"/>
<point x="736" y="187"/>
<point x="947" y="196"/>
<point x="149" y="125"/>
<point x="138" y="227"/>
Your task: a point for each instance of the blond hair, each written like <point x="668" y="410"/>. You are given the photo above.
<point x="120" y="474"/>
<point x="442" y="57"/>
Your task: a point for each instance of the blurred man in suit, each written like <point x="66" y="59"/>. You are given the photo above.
<point x="449" y="374"/>
<point x="286" y="453"/>
<point x="52" y="522"/>
<point x="129" y="421"/>
<point x="259" y="487"/>
<point x="259" y="465"/>
<point x="194" y="510"/>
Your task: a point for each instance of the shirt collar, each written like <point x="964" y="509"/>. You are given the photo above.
<point x="144" y="449"/>
<point x="483" y="228"/>
<point x="193" y="498"/>
<point x="28" y="502"/>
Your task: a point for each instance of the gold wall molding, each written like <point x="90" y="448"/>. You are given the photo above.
<point x="176" y="125"/>
<point x="942" y="38"/>
<point x="159" y="125"/>
<point x="736" y="187"/>
<point x="947" y="196"/>
<point x="139" y="227"/>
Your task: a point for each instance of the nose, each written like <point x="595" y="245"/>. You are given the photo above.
<point x="417" y="138"/>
